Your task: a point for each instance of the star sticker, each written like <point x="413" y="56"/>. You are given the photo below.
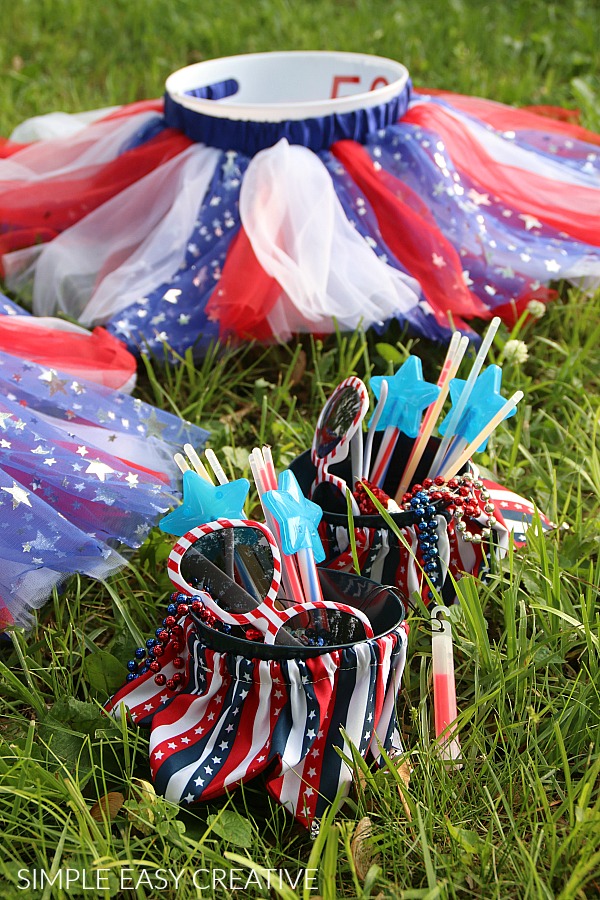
<point x="154" y="428"/>
<point x="205" y="502"/>
<point x="478" y="199"/>
<point x="484" y="402"/>
<point x="297" y="517"/>
<point x="131" y="479"/>
<point x="3" y="418"/>
<point x="552" y="265"/>
<point x="18" y="494"/>
<point x="530" y="221"/>
<point x="100" y="469"/>
<point x="55" y="384"/>
<point x="408" y="396"/>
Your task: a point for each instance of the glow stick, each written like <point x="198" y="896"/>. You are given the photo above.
<point x="197" y="463"/>
<point x="216" y="466"/>
<point x="456" y="351"/>
<point x="356" y="455"/>
<point x="444" y="688"/>
<point x="229" y="539"/>
<point x="373" y="427"/>
<point x="471" y="448"/>
<point x="309" y="576"/>
<point x="181" y="462"/>
<point x="269" y="467"/>
<point x="458" y="410"/>
<point x="289" y="576"/>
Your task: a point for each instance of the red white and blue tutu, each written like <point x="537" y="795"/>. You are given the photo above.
<point x="85" y="470"/>
<point x="278" y="193"/>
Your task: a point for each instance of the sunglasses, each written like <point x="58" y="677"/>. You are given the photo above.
<point x="234" y="567"/>
<point x="339" y="431"/>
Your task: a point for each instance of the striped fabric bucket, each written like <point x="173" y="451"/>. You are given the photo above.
<point x="242" y="708"/>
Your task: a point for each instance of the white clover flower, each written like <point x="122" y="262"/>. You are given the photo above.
<point x="515" y="352"/>
<point x="536" y="308"/>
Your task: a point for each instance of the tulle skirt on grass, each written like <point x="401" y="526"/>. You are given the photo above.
<point x="278" y="193"/>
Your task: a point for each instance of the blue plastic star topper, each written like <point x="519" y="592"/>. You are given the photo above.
<point x="204" y="502"/>
<point x="484" y="402"/>
<point x="408" y="396"/>
<point x="296" y="516"/>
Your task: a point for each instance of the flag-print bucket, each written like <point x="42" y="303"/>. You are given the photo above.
<point x="225" y="709"/>
<point x="453" y="527"/>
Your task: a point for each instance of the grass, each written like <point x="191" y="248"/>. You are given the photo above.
<point x="521" y="818"/>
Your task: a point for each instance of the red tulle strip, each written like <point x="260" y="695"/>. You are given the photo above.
<point x="5" y="616"/>
<point x="133" y="109"/>
<point x="97" y="356"/>
<point x="245" y="294"/>
<point x="567" y="207"/>
<point x="411" y="233"/>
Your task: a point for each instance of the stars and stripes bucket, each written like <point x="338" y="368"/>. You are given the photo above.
<point x="442" y="528"/>
<point x="223" y="709"/>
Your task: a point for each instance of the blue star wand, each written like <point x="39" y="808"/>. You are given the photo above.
<point x="298" y="519"/>
<point x="205" y="502"/>
<point x="408" y="396"/>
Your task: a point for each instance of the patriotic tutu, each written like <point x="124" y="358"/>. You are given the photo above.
<point x="85" y="470"/>
<point x="278" y="193"/>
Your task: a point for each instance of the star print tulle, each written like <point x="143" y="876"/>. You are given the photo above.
<point x="85" y="472"/>
<point x="278" y="193"/>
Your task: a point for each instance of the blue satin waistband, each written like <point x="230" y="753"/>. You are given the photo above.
<point x="316" y="133"/>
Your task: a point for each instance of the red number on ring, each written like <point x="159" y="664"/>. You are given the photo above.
<point x="338" y="80"/>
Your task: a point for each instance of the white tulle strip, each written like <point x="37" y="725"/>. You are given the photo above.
<point x="93" y="145"/>
<point x="505" y="151"/>
<point x="122" y="250"/>
<point x="56" y="125"/>
<point x="301" y="236"/>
